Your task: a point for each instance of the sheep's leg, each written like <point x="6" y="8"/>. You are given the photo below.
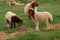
<point x="7" y="23"/>
<point x="37" y="28"/>
<point x="14" y="24"/>
<point x="11" y="25"/>
<point x="51" y="26"/>
<point x="48" y="24"/>
<point x="37" y="24"/>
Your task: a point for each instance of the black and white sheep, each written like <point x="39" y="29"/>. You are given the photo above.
<point x="12" y="19"/>
<point x="41" y="16"/>
<point x="33" y="5"/>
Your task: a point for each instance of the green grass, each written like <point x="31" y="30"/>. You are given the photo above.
<point x="54" y="9"/>
<point x="48" y="35"/>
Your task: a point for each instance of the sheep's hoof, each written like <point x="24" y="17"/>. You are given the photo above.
<point x="48" y="28"/>
<point x="38" y="30"/>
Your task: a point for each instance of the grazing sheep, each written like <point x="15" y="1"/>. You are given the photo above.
<point x="12" y="19"/>
<point x="33" y="4"/>
<point x="14" y="3"/>
<point x="41" y="16"/>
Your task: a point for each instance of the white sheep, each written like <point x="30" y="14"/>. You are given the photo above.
<point x="12" y="19"/>
<point x="33" y="4"/>
<point x="41" y="16"/>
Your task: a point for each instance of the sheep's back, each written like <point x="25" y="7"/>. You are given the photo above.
<point x="9" y="15"/>
<point x="49" y="15"/>
<point x="43" y="16"/>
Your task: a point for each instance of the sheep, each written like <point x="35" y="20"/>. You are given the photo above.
<point x="12" y="19"/>
<point x="33" y="5"/>
<point x="14" y="3"/>
<point x="41" y="16"/>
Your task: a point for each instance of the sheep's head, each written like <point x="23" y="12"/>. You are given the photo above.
<point x="34" y="4"/>
<point x="15" y="19"/>
<point x="31" y="13"/>
<point x="12" y="4"/>
<point x="20" y="22"/>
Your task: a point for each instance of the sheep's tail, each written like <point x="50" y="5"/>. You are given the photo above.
<point x="49" y="21"/>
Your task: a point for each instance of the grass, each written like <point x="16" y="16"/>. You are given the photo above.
<point x="39" y="36"/>
<point x="54" y="9"/>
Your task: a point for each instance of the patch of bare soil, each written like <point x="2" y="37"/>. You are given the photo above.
<point x="54" y="26"/>
<point x="4" y="36"/>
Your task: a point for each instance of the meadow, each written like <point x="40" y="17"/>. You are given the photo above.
<point x="54" y="9"/>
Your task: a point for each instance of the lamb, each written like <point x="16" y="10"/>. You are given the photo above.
<point x="33" y="5"/>
<point x="41" y="16"/>
<point x="12" y="19"/>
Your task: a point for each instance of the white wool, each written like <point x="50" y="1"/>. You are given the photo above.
<point x="27" y="7"/>
<point x="42" y="16"/>
<point x="8" y="15"/>
<point x="35" y="9"/>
